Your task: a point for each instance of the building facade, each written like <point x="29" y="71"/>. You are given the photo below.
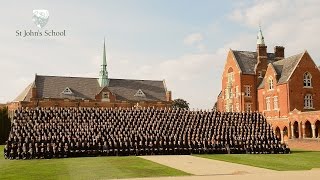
<point x="62" y="91"/>
<point x="284" y="89"/>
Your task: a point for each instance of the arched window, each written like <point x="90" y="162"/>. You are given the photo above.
<point x="308" y="102"/>
<point x="307" y="80"/>
<point x="270" y="83"/>
<point x="230" y="75"/>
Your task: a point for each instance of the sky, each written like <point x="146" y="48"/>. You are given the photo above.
<point x="184" y="42"/>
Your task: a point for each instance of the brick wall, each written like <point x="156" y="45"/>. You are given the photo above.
<point x="71" y="103"/>
<point x="291" y="117"/>
<point x="248" y="80"/>
<point x="240" y="82"/>
<point x="297" y="91"/>
<point x="279" y="91"/>
<point x="230" y="66"/>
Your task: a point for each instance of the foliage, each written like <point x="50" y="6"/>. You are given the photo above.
<point x="180" y="103"/>
<point x="5" y="125"/>
<point x="297" y="160"/>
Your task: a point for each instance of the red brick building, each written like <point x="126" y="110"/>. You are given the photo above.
<point x="284" y="89"/>
<point x="61" y="91"/>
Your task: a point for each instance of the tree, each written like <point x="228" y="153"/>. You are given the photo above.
<point x="180" y="103"/>
<point x="5" y="125"/>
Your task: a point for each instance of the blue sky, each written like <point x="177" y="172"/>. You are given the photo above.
<point x="184" y="42"/>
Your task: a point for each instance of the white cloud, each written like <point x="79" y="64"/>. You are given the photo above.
<point x="291" y="23"/>
<point x="259" y="11"/>
<point x="193" y="38"/>
<point x="194" y="76"/>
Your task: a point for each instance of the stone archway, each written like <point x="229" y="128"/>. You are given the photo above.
<point x="285" y="134"/>
<point x="277" y="133"/>
<point x="307" y="129"/>
<point x="317" y="129"/>
<point x="295" y="130"/>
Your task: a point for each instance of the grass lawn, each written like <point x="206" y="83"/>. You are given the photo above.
<point x="83" y="168"/>
<point x="297" y="160"/>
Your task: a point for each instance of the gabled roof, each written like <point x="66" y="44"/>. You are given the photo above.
<point x="261" y="85"/>
<point x="125" y="89"/>
<point x="140" y="93"/>
<point x="285" y="67"/>
<point x="88" y="88"/>
<point x="67" y="91"/>
<point x="220" y="94"/>
<point x="247" y="60"/>
<point x="25" y="94"/>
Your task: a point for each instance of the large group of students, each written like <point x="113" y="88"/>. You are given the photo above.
<point x="57" y="132"/>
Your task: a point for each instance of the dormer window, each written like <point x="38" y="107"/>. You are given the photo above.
<point x="67" y="91"/>
<point x="307" y="80"/>
<point x="140" y="93"/>
<point x="105" y="96"/>
<point x="270" y="83"/>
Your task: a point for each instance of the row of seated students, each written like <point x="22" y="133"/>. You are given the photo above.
<point x="72" y="132"/>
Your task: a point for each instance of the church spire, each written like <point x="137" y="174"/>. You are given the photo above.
<point x="260" y="38"/>
<point x="103" y="76"/>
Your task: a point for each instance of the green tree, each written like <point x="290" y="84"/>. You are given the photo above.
<point x="180" y="103"/>
<point x="5" y="125"/>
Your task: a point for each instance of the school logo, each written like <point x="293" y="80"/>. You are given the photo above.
<point x="40" y="17"/>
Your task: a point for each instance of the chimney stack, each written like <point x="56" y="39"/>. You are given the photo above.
<point x="262" y="55"/>
<point x="279" y="52"/>
<point x="262" y="62"/>
<point x="262" y="52"/>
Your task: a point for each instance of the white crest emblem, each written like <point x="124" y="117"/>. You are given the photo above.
<point x="40" y="17"/>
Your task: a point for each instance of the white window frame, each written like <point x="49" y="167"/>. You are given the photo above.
<point x="230" y="77"/>
<point x="308" y="101"/>
<point x="248" y="107"/>
<point x="247" y="91"/>
<point x="67" y="91"/>
<point x="237" y="91"/>
<point x="270" y="83"/>
<point x="226" y="94"/>
<point x="307" y="80"/>
<point x="237" y="107"/>
<point x="268" y="107"/>
<point x="105" y="96"/>
<point x="140" y="93"/>
<point x="275" y="103"/>
<point x="260" y="74"/>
